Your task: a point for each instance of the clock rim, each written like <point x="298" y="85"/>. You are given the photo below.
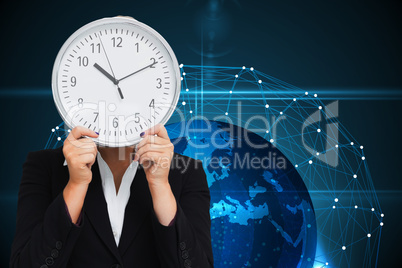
<point x="105" y="21"/>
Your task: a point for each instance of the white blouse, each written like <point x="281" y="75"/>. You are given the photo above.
<point x="116" y="203"/>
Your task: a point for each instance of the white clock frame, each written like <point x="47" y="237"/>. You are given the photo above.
<point x="65" y="115"/>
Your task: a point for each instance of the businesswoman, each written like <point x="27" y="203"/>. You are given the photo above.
<point x="86" y="206"/>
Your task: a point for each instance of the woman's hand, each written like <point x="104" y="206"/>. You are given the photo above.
<point x="80" y="154"/>
<point x="155" y="154"/>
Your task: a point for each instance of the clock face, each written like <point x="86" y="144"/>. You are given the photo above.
<point x="117" y="77"/>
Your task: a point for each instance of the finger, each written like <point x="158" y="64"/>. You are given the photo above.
<point x="84" y="143"/>
<point x="152" y="140"/>
<point x="73" y="144"/>
<point x="93" y="150"/>
<point x="158" y="129"/>
<point x="87" y="159"/>
<point x="151" y="148"/>
<point x="151" y="156"/>
<point x="80" y="159"/>
<point x="80" y="131"/>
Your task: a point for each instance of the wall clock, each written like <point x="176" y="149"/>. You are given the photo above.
<point x="118" y="77"/>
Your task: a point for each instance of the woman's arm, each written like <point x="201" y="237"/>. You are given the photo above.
<point x="155" y="154"/>
<point x="185" y="242"/>
<point x="45" y="234"/>
<point x="80" y="154"/>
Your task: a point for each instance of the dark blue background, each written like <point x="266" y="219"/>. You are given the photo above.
<point x="338" y="45"/>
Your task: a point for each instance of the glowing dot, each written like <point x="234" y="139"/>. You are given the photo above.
<point x="306" y="93"/>
<point x="317" y="153"/>
<point x="296" y="165"/>
<point x="186" y="89"/>
<point x="363" y="158"/>
<point x="310" y="162"/>
<point x="251" y="69"/>
<point x="230" y="92"/>
<point x="382" y="215"/>
<point x="181" y="78"/>
<point x="226" y="113"/>
<point x="319" y="107"/>
<point x="281" y="113"/>
<point x="315" y="95"/>
<point x="334" y="207"/>
<point x="244" y="67"/>
<point x="266" y="105"/>
<point x="236" y="75"/>
<point x="319" y="130"/>
<point x="191" y="112"/>
<point x="372" y="209"/>
<point x="184" y="73"/>
<point x="53" y="130"/>
<point x="57" y="127"/>
<point x="326" y="263"/>
<point x="336" y="146"/>
<point x="294" y="99"/>
<point x="368" y="235"/>
<point x="352" y="143"/>
<point x="267" y="131"/>
<point x="381" y="224"/>
<point x="69" y="130"/>
<point x="355" y="176"/>
<point x="343" y="248"/>
<point x="259" y="81"/>
<point x="336" y="199"/>
<point x="356" y="206"/>
<point x="271" y="140"/>
<point x="181" y="65"/>
<point x="58" y="138"/>
<point x="183" y="103"/>
<point x="361" y="147"/>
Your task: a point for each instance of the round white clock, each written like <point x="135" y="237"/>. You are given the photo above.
<point x="118" y="77"/>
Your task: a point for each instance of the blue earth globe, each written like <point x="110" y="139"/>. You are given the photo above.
<point x="261" y="211"/>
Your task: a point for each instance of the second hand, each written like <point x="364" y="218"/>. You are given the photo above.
<point x="107" y="58"/>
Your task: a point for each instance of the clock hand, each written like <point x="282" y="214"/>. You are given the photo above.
<point x="97" y="66"/>
<point x="120" y="93"/>
<point x="114" y="77"/>
<point x="148" y="66"/>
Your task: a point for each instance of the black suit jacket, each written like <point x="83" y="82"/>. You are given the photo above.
<point x="46" y="237"/>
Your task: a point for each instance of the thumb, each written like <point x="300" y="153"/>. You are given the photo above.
<point x="80" y="131"/>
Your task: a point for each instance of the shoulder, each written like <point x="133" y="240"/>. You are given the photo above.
<point x="47" y="155"/>
<point x="190" y="170"/>
<point x="188" y="180"/>
<point x="43" y="167"/>
<point x="185" y="164"/>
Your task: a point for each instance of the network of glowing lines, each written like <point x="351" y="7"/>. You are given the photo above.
<point x="307" y="129"/>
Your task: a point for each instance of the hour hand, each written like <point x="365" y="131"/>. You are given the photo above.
<point x="97" y="66"/>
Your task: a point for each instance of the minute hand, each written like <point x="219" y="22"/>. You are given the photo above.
<point x="104" y="72"/>
<point x="150" y="65"/>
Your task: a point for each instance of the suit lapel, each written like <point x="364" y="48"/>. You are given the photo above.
<point x="138" y="208"/>
<point x="96" y="210"/>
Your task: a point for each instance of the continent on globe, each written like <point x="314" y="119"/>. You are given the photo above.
<point x="261" y="212"/>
